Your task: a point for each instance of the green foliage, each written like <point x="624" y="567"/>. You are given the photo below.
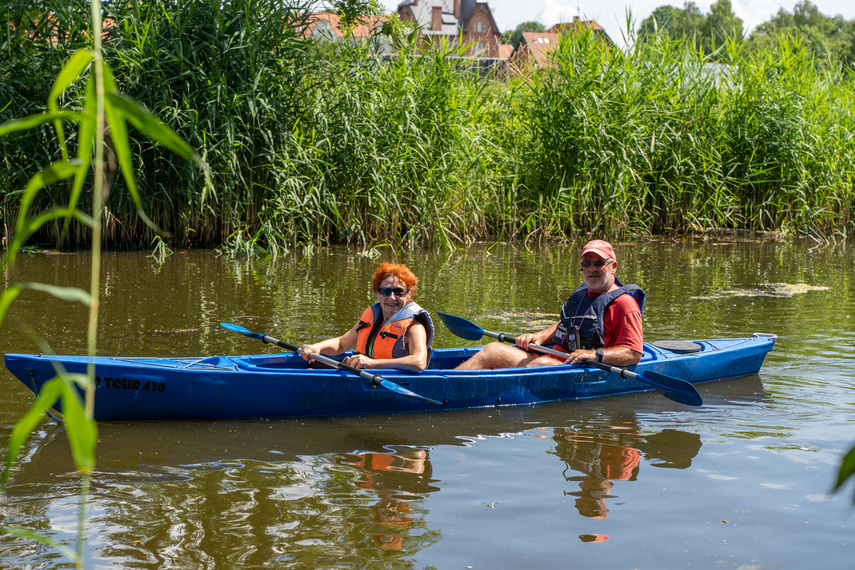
<point x="846" y="471"/>
<point x="82" y="432"/>
<point x="829" y="40"/>
<point x="101" y="107"/>
<point x="313" y="141"/>
<point x="720" y="26"/>
<point x="708" y="33"/>
<point x="662" y="139"/>
<point x="35" y="537"/>
<point x="683" y="24"/>
<point x="661" y="19"/>
<point x="354" y="11"/>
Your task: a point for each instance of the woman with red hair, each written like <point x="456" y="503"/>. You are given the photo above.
<point x="394" y="332"/>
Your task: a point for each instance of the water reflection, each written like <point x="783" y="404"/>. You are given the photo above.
<point x="603" y="455"/>
<point x="397" y="478"/>
<point x="287" y="490"/>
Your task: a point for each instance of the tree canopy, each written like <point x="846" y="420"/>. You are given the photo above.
<point x="707" y="32"/>
<point x="828" y="38"/>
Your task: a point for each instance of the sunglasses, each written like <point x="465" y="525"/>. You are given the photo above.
<point x="398" y="291"/>
<point x="598" y="264"/>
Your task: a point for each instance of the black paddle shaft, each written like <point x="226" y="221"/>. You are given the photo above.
<point x="622" y="372"/>
<point x="672" y="388"/>
<point x="374" y="378"/>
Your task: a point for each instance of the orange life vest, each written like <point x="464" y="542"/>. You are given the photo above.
<point x="377" y="339"/>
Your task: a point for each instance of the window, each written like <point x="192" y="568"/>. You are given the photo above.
<point x="479" y="26"/>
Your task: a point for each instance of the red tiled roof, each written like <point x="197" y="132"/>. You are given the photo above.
<point x="52" y="32"/>
<point x="539" y="44"/>
<point x="364" y="29"/>
<point x="576" y="23"/>
<point x="505" y="51"/>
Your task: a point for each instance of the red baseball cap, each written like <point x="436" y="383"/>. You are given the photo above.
<point x="600" y="248"/>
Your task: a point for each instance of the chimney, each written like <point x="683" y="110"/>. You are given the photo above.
<point x="457" y="9"/>
<point x="436" y="19"/>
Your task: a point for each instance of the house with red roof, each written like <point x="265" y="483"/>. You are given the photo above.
<point x="535" y="47"/>
<point x="329" y="26"/>
<point x="457" y="22"/>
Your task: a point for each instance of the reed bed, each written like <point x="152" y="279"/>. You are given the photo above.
<point x="312" y="143"/>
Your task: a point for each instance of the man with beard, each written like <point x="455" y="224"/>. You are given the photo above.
<point x="600" y="321"/>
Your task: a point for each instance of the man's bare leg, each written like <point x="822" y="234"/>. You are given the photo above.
<point x="499" y="355"/>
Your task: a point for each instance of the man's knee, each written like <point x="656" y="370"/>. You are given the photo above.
<point x="544" y="361"/>
<point x="495" y="348"/>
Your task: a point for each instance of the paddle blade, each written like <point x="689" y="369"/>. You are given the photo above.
<point x="241" y="330"/>
<point x="461" y="327"/>
<point x="404" y="392"/>
<point x="679" y="391"/>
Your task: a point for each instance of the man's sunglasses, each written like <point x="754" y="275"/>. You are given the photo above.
<point x="398" y="291"/>
<point x="598" y="263"/>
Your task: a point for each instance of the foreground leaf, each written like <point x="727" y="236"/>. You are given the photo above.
<point x="847" y="470"/>
<point x="48" y="396"/>
<point x="82" y="432"/>
<point x="64" y="550"/>
<point x="64" y="293"/>
<point x="56" y="171"/>
<point x="35" y="121"/>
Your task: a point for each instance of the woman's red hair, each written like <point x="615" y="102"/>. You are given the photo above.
<point x="399" y="270"/>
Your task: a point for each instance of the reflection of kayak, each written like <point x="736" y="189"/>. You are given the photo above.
<point x="154" y="447"/>
<point x="282" y="386"/>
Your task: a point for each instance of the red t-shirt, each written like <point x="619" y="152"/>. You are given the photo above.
<point x="622" y="324"/>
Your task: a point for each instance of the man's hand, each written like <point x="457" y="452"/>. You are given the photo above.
<point x="577" y="356"/>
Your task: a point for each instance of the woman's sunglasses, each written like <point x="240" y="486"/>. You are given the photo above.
<point x="398" y="291"/>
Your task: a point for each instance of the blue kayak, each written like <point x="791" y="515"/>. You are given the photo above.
<point x="282" y="385"/>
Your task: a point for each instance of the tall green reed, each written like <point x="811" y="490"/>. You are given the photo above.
<point x="664" y="139"/>
<point x="313" y="142"/>
<point x="394" y="137"/>
<point x="103" y="107"/>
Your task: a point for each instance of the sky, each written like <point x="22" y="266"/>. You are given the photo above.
<point x="611" y="14"/>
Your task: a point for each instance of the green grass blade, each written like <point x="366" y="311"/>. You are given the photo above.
<point x="36" y="120"/>
<point x="150" y="125"/>
<point x="48" y="396"/>
<point x="70" y="72"/>
<point x="24" y="533"/>
<point x="82" y="431"/>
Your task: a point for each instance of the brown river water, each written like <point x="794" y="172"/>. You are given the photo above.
<point x="637" y="481"/>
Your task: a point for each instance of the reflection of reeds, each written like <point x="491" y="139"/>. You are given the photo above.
<point x="312" y="144"/>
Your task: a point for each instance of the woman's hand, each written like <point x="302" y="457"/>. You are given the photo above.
<point x="358" y="361"/>
<point x="306" y="352"/>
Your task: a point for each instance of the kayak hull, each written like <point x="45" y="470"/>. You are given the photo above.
<point x="281" y="385"/>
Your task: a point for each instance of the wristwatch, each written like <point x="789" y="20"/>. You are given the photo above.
<point x="600" y="354"/>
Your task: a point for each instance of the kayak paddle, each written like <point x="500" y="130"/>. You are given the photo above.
<point x="375" y="379"/>
<point x="672" y="388"/>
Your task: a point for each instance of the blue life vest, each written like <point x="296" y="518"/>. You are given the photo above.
<point x="585" y="314"/>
